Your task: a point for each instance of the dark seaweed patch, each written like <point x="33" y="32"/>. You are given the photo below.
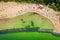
<point x="22" y="20"/>
<point x="32" y="23"/>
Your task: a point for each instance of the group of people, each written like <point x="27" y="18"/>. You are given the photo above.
<point x="39" y="6"/>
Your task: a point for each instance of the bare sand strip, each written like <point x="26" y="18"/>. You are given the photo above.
<point x="13" y="9"/>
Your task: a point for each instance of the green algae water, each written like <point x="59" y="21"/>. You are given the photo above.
<point x="29" y="19"/>
<point x="28" y="36"/>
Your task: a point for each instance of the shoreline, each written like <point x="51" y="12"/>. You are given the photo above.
<point x="7" y="31"/>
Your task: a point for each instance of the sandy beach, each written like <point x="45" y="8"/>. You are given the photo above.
<point x="13" y="9"/>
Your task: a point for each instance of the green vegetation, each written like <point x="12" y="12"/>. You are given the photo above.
<point x="28" y="36"/>
<point x="55" y="4"/>
<point x="54" y="7"/>
<point x="26" y="20"/>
